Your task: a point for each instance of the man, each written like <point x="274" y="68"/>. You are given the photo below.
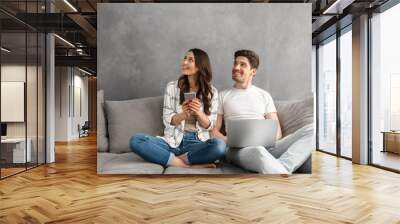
<point x="246" y="101"/>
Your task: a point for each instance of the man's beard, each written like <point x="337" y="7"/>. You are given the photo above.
<point x="238" y="78"/>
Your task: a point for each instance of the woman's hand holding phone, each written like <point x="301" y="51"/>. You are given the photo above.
<point x="195" y="106"/>
<point x="191" y="104"/>
<point x="186" y="109"/>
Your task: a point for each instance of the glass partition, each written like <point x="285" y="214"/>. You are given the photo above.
<point x="14" y="153"/>
<point x="22" y="88"/>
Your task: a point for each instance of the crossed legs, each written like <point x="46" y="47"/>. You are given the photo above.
<point x="194" y="153"/>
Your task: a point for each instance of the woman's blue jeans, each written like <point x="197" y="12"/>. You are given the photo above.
<point x="156" y="150"/>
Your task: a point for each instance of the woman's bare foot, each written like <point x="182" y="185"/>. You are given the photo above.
<point x="206" y="165"/>
<point x="184" y="158"/>
<point x="176" y="161"/>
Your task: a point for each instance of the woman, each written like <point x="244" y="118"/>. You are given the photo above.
<point x="186" y="141"/>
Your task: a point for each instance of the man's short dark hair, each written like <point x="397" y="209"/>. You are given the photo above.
<point x="250" y="55"/>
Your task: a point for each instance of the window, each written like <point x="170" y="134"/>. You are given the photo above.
<point x="385" y="86"/>
<point x="327" y="96"/>
<point x="346" y="93"/>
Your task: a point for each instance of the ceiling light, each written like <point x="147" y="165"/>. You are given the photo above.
<point x="86" y="72"/>
<point x="65" y="41"/>
<point x="79" y="51"/>
<point x="5" y="50"/>
<point x="70" y="5"/>
<point x="331" y="7"/>
<point x="338" y="6"/>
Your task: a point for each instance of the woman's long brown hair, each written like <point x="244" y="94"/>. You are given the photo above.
<point x="204" y="73"/>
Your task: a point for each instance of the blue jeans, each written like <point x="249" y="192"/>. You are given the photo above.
<point x="156" y="150"/>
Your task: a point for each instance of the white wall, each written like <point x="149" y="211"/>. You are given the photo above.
<point x="70" y="83"/>
<point x="14" y="73"/>
<point x="62" y="81"/>
<point x="79" y="117"/>
<point x="17" y="73"/>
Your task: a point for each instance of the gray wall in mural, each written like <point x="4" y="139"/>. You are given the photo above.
<point x="140" y="46"/>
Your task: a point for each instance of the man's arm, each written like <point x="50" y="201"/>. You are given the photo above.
<point x="274" y="116"/>
<point x="215" y="132"/>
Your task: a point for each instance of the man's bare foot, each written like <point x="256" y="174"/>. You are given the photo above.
<point x="206" y="165"/>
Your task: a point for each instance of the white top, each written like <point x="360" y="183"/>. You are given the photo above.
<point x="250" y="103"/>
<point x="190" y="123"/>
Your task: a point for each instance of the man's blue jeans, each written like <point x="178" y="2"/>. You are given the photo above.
<point x="156" y="150"/>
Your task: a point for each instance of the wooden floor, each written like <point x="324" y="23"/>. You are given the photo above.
<point x="70" y="191"/>
<point x="387" y="159"/>
<point x="10" y="171"/>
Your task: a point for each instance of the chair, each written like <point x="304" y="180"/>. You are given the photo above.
<point x="84" y="130"/>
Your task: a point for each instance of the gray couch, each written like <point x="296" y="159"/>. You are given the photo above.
<point x="117" y="121"/>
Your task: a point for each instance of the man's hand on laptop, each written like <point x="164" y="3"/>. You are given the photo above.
<point x="274" y="116"/>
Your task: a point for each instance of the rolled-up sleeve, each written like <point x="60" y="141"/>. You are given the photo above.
<point x="213" y="111"/>
<point x="169" y="105"/>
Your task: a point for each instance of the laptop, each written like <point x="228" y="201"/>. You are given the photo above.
<point x="251" y="132"/>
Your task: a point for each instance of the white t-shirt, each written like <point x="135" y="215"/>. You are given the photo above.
<point x="250" y="103"/>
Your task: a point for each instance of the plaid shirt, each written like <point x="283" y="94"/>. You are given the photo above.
<point x="173" y="135"/>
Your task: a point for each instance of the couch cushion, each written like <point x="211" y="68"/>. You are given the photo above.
<point x="226" y="168"/>
<point x="179" y="170"/>
<point x="127" y="163"/>
<point x="126" y="118"/>
<point x="306" y="168"/>
<point x="102" y="140"/>
<point x="103" y="157"/>
<point x="295" y="114"/>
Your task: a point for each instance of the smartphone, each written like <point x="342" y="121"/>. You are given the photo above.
<point x="190" y="95"/>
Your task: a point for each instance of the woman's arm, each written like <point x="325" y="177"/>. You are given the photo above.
<point x="179" y="117"/>
<point x="215" y="132"/>
<point x="202" y="118"/>
<point x="206" y="121"/>
<point x="170" y="114"/>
